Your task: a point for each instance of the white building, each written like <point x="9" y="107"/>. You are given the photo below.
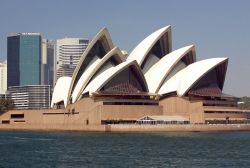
<point x="67" y="55"/>
<point x="151" y="68"/>
<point x="3" y="77"/>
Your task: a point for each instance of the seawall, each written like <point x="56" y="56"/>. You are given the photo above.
<point x="128" y="127"/>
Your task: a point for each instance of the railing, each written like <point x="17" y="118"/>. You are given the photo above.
<point x="219" y="103"/>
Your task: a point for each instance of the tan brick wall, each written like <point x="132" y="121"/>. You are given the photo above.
<point x="178" y="106"/>
<point x="132" y="112"/>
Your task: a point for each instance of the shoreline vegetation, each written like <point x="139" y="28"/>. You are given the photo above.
<point x="244" y="103"/>
<point x="6" y="104"/>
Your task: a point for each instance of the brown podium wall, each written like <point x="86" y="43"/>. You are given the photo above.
<point x="92" y="112"/>
<point x="179" y="106"/>
<point x="130" y="112"/>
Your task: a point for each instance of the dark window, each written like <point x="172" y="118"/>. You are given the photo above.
<point x="17" y="115"/>
<point x="128" y="76"/>
<point x="5" y="121"/>
<point x="19" y="121"/>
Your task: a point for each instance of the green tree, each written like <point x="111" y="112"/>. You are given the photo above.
<point x="6" y="104"/>
<point x="245" y="103"/>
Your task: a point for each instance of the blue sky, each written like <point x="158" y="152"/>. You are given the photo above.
<point x="216" y="28"/>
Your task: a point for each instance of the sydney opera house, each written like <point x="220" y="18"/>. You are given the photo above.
<point x="152" y="84"/>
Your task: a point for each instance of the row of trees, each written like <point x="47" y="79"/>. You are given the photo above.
<point x="6" y="104"/>
<point x="244" y="103"/>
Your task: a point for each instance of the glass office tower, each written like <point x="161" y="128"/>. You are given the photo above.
<point x="24" y="59"/>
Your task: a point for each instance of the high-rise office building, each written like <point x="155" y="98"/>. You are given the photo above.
<point x="68" y="52"/>
<point x="24" y="59"/>
<point x="47" y="66"/>
<point x="50" y="62"/>
<point x="3" y="77"/>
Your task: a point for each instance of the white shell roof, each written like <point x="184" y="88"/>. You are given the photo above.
<point x="101" y="33"/>
<point x="172" y="84"/>
<point x="61" y="90"/>
<point x="155" y="79"/>
<point x="107" y="75"/>
<point x="91" y="70"/>
<point x="186" y="78"/>
<point x="156" y="75"/>
<point x="142" y="49"/>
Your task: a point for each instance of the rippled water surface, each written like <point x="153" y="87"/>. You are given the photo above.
<point x="75" y="149"/>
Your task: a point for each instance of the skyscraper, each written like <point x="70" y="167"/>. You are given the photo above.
<point x="50" y="62"/>
<point x="3" y="77"/>
<point x="24" y="59"/>
<point x="68" y="53"/>
<point x="47" y="66"/>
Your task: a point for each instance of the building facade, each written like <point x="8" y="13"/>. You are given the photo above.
<point x="30" y="96"/>
<point x="152" y="82"/>
<point x="47" y="63"/>
<point x="67" y="55"/>
<point x="24" y="59"/>
<point x="3" y="78"/>
<point x="152" y="85"/>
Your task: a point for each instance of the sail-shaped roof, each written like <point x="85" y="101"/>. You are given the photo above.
<point x="152" y="48"/>
<point x="61" y="89"/>
<point x="166" y="64"/>
<point x="113" y="58"/>
<point x="100" y="81"/>
<point x="185" y="79"/>
<point x="99" y="46"/>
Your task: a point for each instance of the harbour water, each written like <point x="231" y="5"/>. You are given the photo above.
<point x="77" y="149"/>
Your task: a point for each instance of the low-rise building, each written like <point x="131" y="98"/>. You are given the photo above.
<point x="30" y="96"/>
